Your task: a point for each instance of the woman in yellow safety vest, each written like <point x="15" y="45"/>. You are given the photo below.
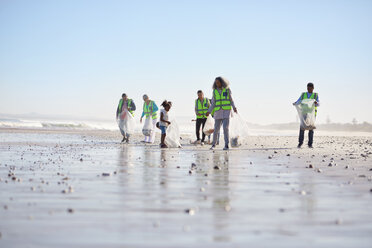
<point x="150" y="111"/>
<point x="221" y="105"/>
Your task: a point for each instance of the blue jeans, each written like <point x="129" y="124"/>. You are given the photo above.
<point x="163" y="129"/>
<point x="217" y="127"/>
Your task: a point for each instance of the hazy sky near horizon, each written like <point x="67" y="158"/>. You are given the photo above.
<point x="76" y="58"/>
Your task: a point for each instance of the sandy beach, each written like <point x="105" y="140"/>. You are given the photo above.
<point x="73" y="188"/>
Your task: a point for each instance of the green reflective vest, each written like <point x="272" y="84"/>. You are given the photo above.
<point x="202" y="108"/>
<point x="313" y="96"/>
<point x="148" y="110"/>
<point x="222" y="100"/>
<point x="129" y="106"/>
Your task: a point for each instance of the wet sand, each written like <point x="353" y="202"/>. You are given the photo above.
<point x="73" y="189"/>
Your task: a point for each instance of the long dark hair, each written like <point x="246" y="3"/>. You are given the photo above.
<point x="224" y="82"/>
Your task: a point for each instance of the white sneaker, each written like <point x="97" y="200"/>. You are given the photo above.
<point x="212" y="148"/>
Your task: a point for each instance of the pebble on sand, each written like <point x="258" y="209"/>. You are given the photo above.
<point x="216" y="167"/>
<point x="190" y="211"/>
<point x="319" y="170"/>
<point x="105" y="174"/>
<point x="70" y="210"/>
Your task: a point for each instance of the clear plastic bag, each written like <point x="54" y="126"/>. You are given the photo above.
<point x="306" y="113"/>
<point x="238" y="130"/>
<point x="148" y="127"/>
<point x="173" y="135"/>
<point x="126" y="122"/>
<point x="209" y="126"/>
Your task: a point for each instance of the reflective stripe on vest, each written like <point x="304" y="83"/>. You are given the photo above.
<point x="202" y="108"/>
<point x="222" y="100"/>
<point x="312" y="96"/>
<point x="148" y="110"/>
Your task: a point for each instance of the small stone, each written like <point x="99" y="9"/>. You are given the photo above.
<point x="319" y="170"/>
<point x="178" y="167"/>
<point x="70" y="210"/>
<point x="64" y="191"/>
<point x="216" y="167"/>
<point x="193" y="165"/>
<point x="105" y="174"/>
<point x="206" y="174"/>
<point x="303" y="192"/>
<point x="288" y="155"/>
<point x="330" y="164"/>
<point x="282" y="210"/>
<point x="190" y="171"/>
<point x="362" y="176"/>
<point x="81" y="160"/>
<point x="190" y="211"/>
<point x="269" y="157"/>
<point x="338" y="222"/>
<point x="227" y="208"/>
<point x="311" y="166"/>
<point x="346" y="167"/>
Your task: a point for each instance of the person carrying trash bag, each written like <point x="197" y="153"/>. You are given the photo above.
<point x="125" y="104"/>
<point x="304" y="114"/>
<point x="150" y="111"/>
<point x="221" y="105"/>
<point x="201" y="108"/>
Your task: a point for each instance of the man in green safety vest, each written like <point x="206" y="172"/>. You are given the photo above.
<point x="124" y="104"/>
<point x="201" y="108"/>
<point x="310" y="94"/>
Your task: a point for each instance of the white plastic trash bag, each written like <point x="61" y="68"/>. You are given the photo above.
<point x="306" y="113"/>
<point x="209" y="126"/>
<point x="238" y="130"/>
<point x="126" y="122"/>
<point x="148" y="128"/>
<point x="172" y="139"/>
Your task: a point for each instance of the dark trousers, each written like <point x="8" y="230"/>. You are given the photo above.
<point x="200" y="122"/>
<point x="302" y="136"/>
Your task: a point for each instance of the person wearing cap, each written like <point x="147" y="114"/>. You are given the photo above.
<point x="150" y="111"/>
<point x="310" y="94"/>
<point x="124" y="104"/>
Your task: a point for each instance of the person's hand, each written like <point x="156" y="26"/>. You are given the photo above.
<point x="141" y="120"/>
<point x="169" y="122"/>
<point x="235" y="110"/>
<point x="207" y="114"/>
<point x="316" y="102"/>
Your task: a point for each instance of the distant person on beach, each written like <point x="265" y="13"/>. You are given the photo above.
<point x="164" y="121"/>
<point x="221" y="105"/>
<point x="124" y="104"/>
<point x="307" y="95"/>
<point x="150" y="111"/>
<point x="201" y="108"/>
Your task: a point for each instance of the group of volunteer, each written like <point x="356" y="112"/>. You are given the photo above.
<point x="219" y="107"/>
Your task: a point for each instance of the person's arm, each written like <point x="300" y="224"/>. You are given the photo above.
<point x="133" y="106"/>
<point x="162" y="117"/>
<point x="317" y="100"/>
<point x="232" y="102"/>
<point x="298" y="100"/>
<point x="211" y="106"/>
<point x="196" y="107"/>
<point x="155" y="107"/>
<point x="117" y="110"/>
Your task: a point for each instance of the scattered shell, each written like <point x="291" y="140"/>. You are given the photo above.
<point x="190" y="211"/>
<point x="227" y="208"/>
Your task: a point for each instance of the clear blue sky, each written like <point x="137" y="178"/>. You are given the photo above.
<point x="77" y="57"/>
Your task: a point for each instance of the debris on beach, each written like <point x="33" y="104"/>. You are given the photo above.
<point x="190" y="211"/>
<point x="216" y="167"/>
<point x="70" y="210"/>
<point x="106" y="174"/>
